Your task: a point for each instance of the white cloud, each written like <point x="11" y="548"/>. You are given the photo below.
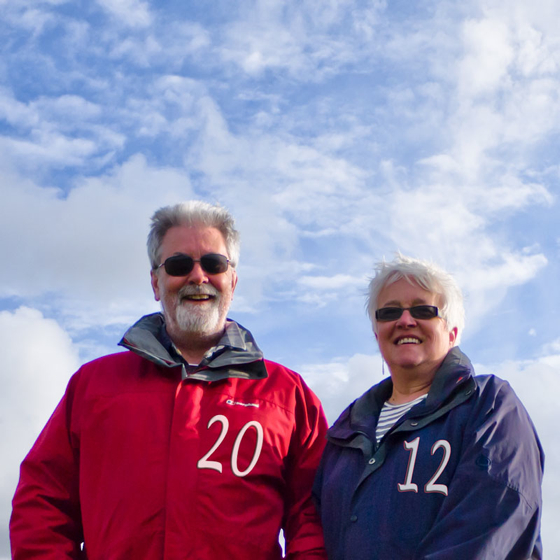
<point x="35" y="20"/>
<point x="134" y="13"/>
<point x="534" y="56"/>
<point x="71" y="107"/>
<point x="15" y="112"/>
<point x="304" y="186"/>
<point x="37" y="361"/>
<point x="49" y="149"/>
<point x="342" y="380"/>
<point x="166" y="44"/>
<point x="336" y="282"/>
<point x="279" y="170"/>
<point x="453" y="228"/>
<point x="511" y="194"/>
<point x="308" y="39"/>
<point x="54" y="131"/>
<point x="552" y="348"/>
<point x="451" y="207"/>
<point x="489" y="53"/>
<point x="513" y="269"/>
<point x="507" y="85"/>
<point x="89" y="254"/>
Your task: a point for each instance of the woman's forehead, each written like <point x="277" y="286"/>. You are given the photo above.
<point x="406" y="289"/>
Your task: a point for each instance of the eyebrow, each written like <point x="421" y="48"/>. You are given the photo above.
<point x="397" y="303"/>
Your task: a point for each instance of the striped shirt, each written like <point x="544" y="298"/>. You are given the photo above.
<point x="391" y="413"/>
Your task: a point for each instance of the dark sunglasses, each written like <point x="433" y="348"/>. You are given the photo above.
<point x="418" y="312"/>
<point x="181" y="265"/>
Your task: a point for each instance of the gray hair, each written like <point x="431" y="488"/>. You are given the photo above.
<point x="429" y="277"/>
<point x="193" y="213"/>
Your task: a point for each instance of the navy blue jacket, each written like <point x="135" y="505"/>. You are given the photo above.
<point x="458" y="477"/>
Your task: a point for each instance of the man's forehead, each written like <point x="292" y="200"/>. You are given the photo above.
<point x="187" y="237"/>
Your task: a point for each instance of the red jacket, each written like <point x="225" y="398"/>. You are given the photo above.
<point x="142" y="460"/>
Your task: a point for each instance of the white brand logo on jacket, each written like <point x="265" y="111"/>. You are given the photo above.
<point x="229" y="401"/>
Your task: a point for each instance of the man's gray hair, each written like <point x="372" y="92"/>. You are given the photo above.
<point x="428" y="276"/>
<point x="194" y="213"/>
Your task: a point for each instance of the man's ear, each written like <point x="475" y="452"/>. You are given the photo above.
<point x="155" y="284"/>
<point x="233" y="280"/>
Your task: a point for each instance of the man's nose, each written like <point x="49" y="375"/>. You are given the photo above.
<point x="197" y="275"/>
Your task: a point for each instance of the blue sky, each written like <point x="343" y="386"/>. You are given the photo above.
<point x="336" y="131"/>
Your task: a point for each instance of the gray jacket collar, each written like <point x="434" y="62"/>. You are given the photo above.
<point x="235" y="355"/>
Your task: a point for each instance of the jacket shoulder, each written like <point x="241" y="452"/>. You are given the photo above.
<point x="280" y="372"/>
<point x="497" y="405"/>
<point x="124" y="356"/>
<point x="502" y="425"/>
<point x="284" y="381"/>
<point x="121" y="372"/>
<point x="118" y="361"/>
<point x="495" y="391"/>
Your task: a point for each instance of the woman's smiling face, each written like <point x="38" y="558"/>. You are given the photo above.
<point x="408" y="343"/>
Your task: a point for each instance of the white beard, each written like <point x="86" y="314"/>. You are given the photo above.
<point x="190" y="319"/>
<point x="198" y="321"/>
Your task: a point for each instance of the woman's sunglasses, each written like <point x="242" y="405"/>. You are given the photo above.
<point x="418" y="312"/>
<point x="181" y="265"/>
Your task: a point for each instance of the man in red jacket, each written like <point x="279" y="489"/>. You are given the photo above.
<point x="188" y="446"/>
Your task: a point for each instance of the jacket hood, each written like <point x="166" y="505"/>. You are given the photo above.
<point x="235" y="355"/>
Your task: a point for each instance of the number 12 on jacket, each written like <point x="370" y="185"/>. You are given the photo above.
<point x="431" y="486"/>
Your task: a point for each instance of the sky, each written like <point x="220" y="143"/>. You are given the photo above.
<point x="337" y="132"/>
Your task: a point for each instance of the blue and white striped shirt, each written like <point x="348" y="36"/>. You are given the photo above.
<point x="391" y="413"/>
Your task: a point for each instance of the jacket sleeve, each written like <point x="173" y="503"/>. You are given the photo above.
<point x="46" y="521"/>
<point x="302" y="527"/>
<point x="494" y="504"/>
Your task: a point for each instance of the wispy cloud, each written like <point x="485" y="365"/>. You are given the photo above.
<point x="309" y="40"/>
<point x="133" y="13"/>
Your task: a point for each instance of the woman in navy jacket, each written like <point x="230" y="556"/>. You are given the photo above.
<point x="433" y="462"/>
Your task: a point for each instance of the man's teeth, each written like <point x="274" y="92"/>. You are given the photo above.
<point x="198" y="296"/>
<point x="408" y="341"/>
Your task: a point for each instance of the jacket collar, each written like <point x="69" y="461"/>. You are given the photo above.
<point x="235" y="355"/>
<point x="361" y="416"/>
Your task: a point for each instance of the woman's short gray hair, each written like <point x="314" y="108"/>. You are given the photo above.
<point x="429" y="277"/>
<point x="194" y="213"/>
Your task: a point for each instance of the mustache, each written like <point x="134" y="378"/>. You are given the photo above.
<point x="206" y="289"/>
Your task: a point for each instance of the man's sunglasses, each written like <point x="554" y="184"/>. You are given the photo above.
<point x="181" y="265"/>
<point x="418" y="312"/>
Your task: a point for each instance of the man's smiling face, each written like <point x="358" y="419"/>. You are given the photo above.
<point x="197" y="303"/>
<point x="408" y="343"/>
